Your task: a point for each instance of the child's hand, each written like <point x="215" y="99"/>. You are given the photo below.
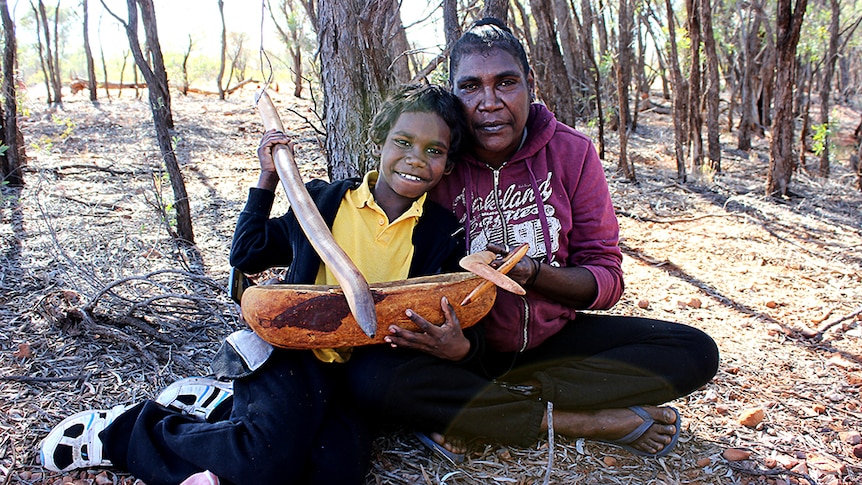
<point x="446" y="341"/>
<point x="268" y="173"/>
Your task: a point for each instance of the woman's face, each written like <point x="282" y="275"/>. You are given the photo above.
<point x="495" y="93"/>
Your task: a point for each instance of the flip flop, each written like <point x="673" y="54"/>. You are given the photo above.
<point x="440" y="450"/>
<point x="630" y="438"/>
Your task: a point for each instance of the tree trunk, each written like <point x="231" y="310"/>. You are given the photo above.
<point x="826" y="85"/>
<point x="570" y="46"/>
<point x="12" y="160"/>
<point x="497" y="9"/>
<point x="804" y="86"/>
<point x="49" y="56"/>
<point x="221" y="65"/>
<point x="355" y="73"/>
<point x="587" y="35"/>
<point x="42" y="60"/>
<point x="151" y="32"/>
<point x="694" y="90"/>
<point x="102" y="56"/>
<point x="750" y="42"/>
<point x="291" y="38"/>
<point x="58" y="73"/>
<point x="624" y="70"/>
<point x="712" y="89"/>
<point x="525" y="31"/>
<point x="680" y="94"/>
<point x="185" y="86"/>
<point x="639" y="75"/>
<point x="550" y="69"/>
<point x="91" y="65"/>
<point x="160" y="108"/>
<point x="781" y="162"/>
<point x="451" y="26"/>
<point x="396" y="40"/>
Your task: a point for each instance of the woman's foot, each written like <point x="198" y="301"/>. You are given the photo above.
<point x="621" y="426"/>
<point x="455" y="445"/>
<point x="451" y="451"/>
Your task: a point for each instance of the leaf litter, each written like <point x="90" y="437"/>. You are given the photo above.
<point x="99" y="307"/>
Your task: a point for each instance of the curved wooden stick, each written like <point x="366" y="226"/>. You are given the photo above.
<point x="353" y="284"/>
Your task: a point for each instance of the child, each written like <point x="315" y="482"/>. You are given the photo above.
<point x="289" y="421"/>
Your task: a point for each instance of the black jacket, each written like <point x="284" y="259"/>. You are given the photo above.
<point x="260" y="242"/>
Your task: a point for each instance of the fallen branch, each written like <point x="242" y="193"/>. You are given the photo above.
<point x="831" y="324"/>
<point x="227" y="91"/>
<point x="80" y="377"/>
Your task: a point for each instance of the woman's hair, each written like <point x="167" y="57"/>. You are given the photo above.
<point x="420" y="98"/>
<point x="484" y="36"/>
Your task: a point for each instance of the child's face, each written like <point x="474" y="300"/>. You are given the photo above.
<point x="413" y="157"/>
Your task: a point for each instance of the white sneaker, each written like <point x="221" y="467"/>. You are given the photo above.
<point x="197" y="396"/>
<point x="75" y="443"/>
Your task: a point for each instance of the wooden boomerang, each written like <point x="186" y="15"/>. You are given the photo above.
<point x="353" y="284"/>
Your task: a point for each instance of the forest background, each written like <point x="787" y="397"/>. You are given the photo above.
<point x="736" y="179"/>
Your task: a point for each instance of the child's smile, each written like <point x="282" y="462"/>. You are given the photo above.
<point x="413" y="158"/>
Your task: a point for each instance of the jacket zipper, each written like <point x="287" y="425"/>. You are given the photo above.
<point x="496" y="173"/>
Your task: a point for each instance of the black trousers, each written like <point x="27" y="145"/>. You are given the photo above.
<point x="288" y="424"/>
<point x="594" y="362"/>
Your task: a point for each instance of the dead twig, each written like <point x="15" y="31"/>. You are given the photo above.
<point x="846" y="317"/>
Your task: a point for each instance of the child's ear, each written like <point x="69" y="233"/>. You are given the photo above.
<point x="375" y="150"/>
<point x="450" y="165"/>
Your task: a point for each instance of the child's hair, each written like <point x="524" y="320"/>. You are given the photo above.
<point x="484" y="36"/>
<point x="420" y="98"/>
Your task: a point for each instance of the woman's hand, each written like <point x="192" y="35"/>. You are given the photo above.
<point x="524" y="272"/>
<point x="575" y="287"/>
<point x="446" y="341"/>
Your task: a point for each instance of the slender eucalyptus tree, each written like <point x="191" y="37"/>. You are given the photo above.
<point x="91" y="65"/>
<point x="781" y="160"/>
<point x="12" y="156"/>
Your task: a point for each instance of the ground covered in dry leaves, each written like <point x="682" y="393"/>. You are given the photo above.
<point x="99" y="307"/>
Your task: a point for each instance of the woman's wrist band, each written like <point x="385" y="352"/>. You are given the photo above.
<point x="537" y="265"/>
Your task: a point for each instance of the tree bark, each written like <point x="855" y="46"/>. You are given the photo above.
<point x="680" y="94"/>
<point x="221" y="66"/>
<point x="91" y="65"/>
<point x="826" y="85"/>
<point x="712" y="88"/>
<point x="12" y="161"/>
<point x="782" y="162"/>
<point x="750" y="43"/>
<point x="355" y="74"/>
<point x="151" y="33"/>
<point x="451" y="26"/>
<point x="396" y="40"/>
<point x="694" y="90"/>
<point x="587" y="35"/>
<point x="624" y="168"/>
<point x="497" y="9"/>
<point x="548" y="64"/>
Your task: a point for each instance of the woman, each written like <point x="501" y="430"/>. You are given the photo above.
<point x="529" y="178"/>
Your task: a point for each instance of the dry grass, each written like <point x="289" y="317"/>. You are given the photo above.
<point x="99" y="307"/>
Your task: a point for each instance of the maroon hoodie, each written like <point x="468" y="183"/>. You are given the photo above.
<point x="571" y="224"/>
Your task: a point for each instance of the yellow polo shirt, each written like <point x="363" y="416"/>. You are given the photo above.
<point x="381" y="249"/>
